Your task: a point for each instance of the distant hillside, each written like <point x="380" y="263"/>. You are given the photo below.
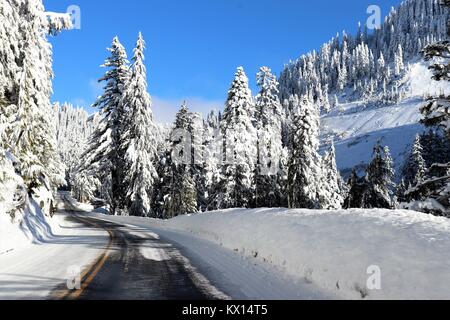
<point x="371" y="86"/>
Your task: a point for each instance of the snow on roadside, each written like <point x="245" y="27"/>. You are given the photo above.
<point x="239" y="277"/>
<point x="337" y="250"/>
<point x="31" y="226"/>
<point x="33" y="270"/>
<point x="11" y="237"/>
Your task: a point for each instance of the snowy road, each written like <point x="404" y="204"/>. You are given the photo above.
<point x="113" y="262"/>
<point x="138" y="266"/>
<point x="228" y="271"/>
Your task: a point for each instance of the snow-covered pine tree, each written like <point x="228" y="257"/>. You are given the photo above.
<point x="164" y="191"/>
<point x="344" y="62"/>
<point x="139" y="138"/>
<point x="213" y="150"/>
<point x="436" y="111"/>
<point x="84" y="186"/>
<point x="436" y="149"/>
<point x="400" y="193"/>
<point x="379" y="191"/>
<point x="356" y="188"/>
<point x="32" y="139"/>
<point x="12" y="188"/>
<point x="84" y="182"/>
<point x="9" y="47"/>
<point x="330" y="193"/>
<point x="105" y="155"/>
<point x="161" y="190"/>
<point x="304" y="170"/>
<point x="436" y="114"/>
<point x="199" y="168"/>
<point x="188" y="193"/>
<point x="236" y="188"/>
<point x="415" y="167"/>
<point x="398" y="61"/>
<point x="25" y="89"/>
<point x="269" y="113"/>
<point x="182" y="198"/>
<point x="74" y="128"/>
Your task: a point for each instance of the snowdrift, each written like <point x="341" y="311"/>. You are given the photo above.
<point x="32" y="226"/>
<point x="339" y="250"/>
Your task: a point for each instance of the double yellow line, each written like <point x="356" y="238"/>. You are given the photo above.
<point x="91" y="272"/>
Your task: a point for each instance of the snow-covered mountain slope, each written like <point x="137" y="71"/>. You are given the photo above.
<point x="345" y="253"/>
<point x="372" y="82"/>
<point x="357" y="126"/>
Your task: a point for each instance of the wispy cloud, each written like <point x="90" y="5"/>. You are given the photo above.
<point x="166" y="109"/>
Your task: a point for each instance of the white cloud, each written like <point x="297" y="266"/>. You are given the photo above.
<point x="166" y="109"/>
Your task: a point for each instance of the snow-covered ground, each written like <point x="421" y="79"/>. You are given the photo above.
<point x="404" y="252"/>
<point x="263" y="253"/>
<point x="34" y="270"/>
<point x="37" y="255"/>
<point x="32" y="226"/>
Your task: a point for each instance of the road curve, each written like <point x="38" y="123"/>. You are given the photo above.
<point x="136" y="266"/>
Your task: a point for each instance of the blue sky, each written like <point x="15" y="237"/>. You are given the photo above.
<point x="195" y="46"/>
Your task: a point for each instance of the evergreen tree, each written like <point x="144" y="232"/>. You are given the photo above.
<point x="31" y="138"/>
<point x="436" y="149"/>
<point x="84" y="186"/>
<point x="183" y="193"/>
<point x="343" y="63"/>
<point x="355" y="194"/>
<point x="162" y="189"/>
<point x="330" y="193"/>
<point x="414" y="169"/>
<point x="199" y="168"/>
<point x="236" y="187"/>
<point x="380" y="173"/>
<point x="304" y="169"/>
<point x="73" y="130"/>
<point x="188" y="195"/>
<point x="105" y="156"/>
<point x="12" y="189"/>
<point x="269" y="115"/>
<point x="184" y="199"/>
<point x="213" y="157"/>
<point x="435" y="112"/>
<point x="398" y="62"/>
<point x="140" y="141"/>
<point x="401" y="192"/>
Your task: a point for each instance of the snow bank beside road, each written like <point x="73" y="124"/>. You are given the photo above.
<point x="335" y="250"/>
<point x="11" y="236"/>
<point x="39" y="264"/>
<point x="31" y="226"/>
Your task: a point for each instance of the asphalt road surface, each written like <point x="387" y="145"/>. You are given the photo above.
<point x="123" y="272"/>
